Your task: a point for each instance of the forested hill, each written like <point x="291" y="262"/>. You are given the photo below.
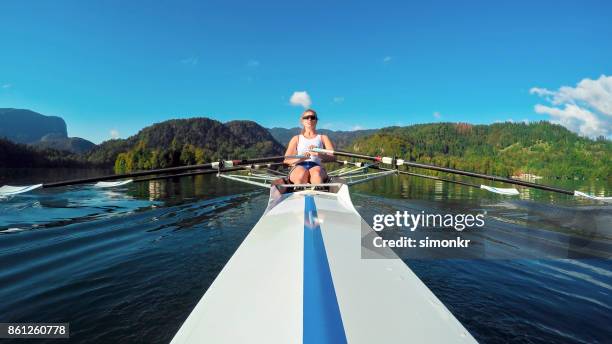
<point x="504" y="149"/>
<point x="341" y="139"/>
<point x="21" y="155"/>
<point x="186" y="141"/>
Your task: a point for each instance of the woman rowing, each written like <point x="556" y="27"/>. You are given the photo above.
<point x="307" y="166"/>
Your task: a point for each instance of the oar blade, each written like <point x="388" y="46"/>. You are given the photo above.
<point x="112" y="184"/>
<point x="501" y="191"/>
<point x="597" y="198"/>
<point x="9" y="190"/>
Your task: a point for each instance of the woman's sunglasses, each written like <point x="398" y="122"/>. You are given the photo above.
<point x="312" y="118"/>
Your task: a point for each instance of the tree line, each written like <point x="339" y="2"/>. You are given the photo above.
<point x="504" y="149"/>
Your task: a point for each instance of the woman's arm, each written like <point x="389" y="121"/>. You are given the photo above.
<point x="292" y="150"/>
<point x="328" y="145"/>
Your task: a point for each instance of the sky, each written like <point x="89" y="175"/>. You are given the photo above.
<point x="110" y="68"/>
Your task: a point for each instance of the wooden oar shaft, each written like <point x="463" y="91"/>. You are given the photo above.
<point x="195" y="173"/>
<point x="449" y="170"/>
<point x="440" y="179"/>
<point x="423" y="176"/>
<point x="489" y="177"/>
<point x="161" y="171"/>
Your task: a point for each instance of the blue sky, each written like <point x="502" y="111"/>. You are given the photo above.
<point x="121" y="66"/>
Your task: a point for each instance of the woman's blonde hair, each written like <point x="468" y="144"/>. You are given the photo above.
<point x="302" y="115"/>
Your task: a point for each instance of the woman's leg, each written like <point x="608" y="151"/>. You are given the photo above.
<point x="299" y="175"/>
<point x="317" y="175"/>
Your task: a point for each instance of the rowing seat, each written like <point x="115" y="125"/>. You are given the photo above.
<point x="281" y="184"/>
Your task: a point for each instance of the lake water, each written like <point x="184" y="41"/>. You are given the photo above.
<point x="128" y="264"/>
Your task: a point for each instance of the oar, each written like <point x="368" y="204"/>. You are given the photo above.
<point x="222" y="170"/>
<point x="194" y="173"/>
<point x="501" y="191"/>
<point x="399" y="162"/>
<point x="8" y="190"/>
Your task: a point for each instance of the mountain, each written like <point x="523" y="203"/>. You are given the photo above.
<point x="340" y="139"/>
<point x="504" y="149"/>
<point x="70" y="144"/>
<point x="44" y="132"/>
<point x="186" y="141"/>
<point x="25" y="126"/>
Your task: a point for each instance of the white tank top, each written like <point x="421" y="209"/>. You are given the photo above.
<point x="304" y="144"/>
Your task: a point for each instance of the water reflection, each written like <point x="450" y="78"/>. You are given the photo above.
<point x="411" y="187"/>
<point x="439" y="190"/>
<point x="157" y="189"/>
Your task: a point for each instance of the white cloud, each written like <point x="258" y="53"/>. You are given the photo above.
<point x="6" y="86"/>
<point x="338" y="100"/>
<point x="300" y="98"/>
<point x="357" y="127"/>
<point x="191" y="61"/>
<point x="437" y="115"/>
<point x="541" y="92"/>
<point x="253" y="63"/>
<point x="577" y="119"/>
<point x="387" y="59"/>
<point x="585" y="109"/>
<point x="114" y="133"/>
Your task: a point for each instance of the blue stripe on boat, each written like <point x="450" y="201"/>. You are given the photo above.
<point x="322" y="320"/>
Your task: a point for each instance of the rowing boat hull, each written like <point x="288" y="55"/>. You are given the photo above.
<point x="298" y="277"/>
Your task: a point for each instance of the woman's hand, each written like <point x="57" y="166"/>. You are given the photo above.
<point x="310" y="153"/>
<point x="293" y="160"/>
<point x="291" y="150"/>
<point x="327" y="157"/>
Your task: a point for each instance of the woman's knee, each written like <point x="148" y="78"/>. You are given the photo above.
<point x="317" y="174"/>
<point x="299" y="175"/>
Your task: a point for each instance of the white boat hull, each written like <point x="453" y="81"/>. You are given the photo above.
<point x="298" y="277"/>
